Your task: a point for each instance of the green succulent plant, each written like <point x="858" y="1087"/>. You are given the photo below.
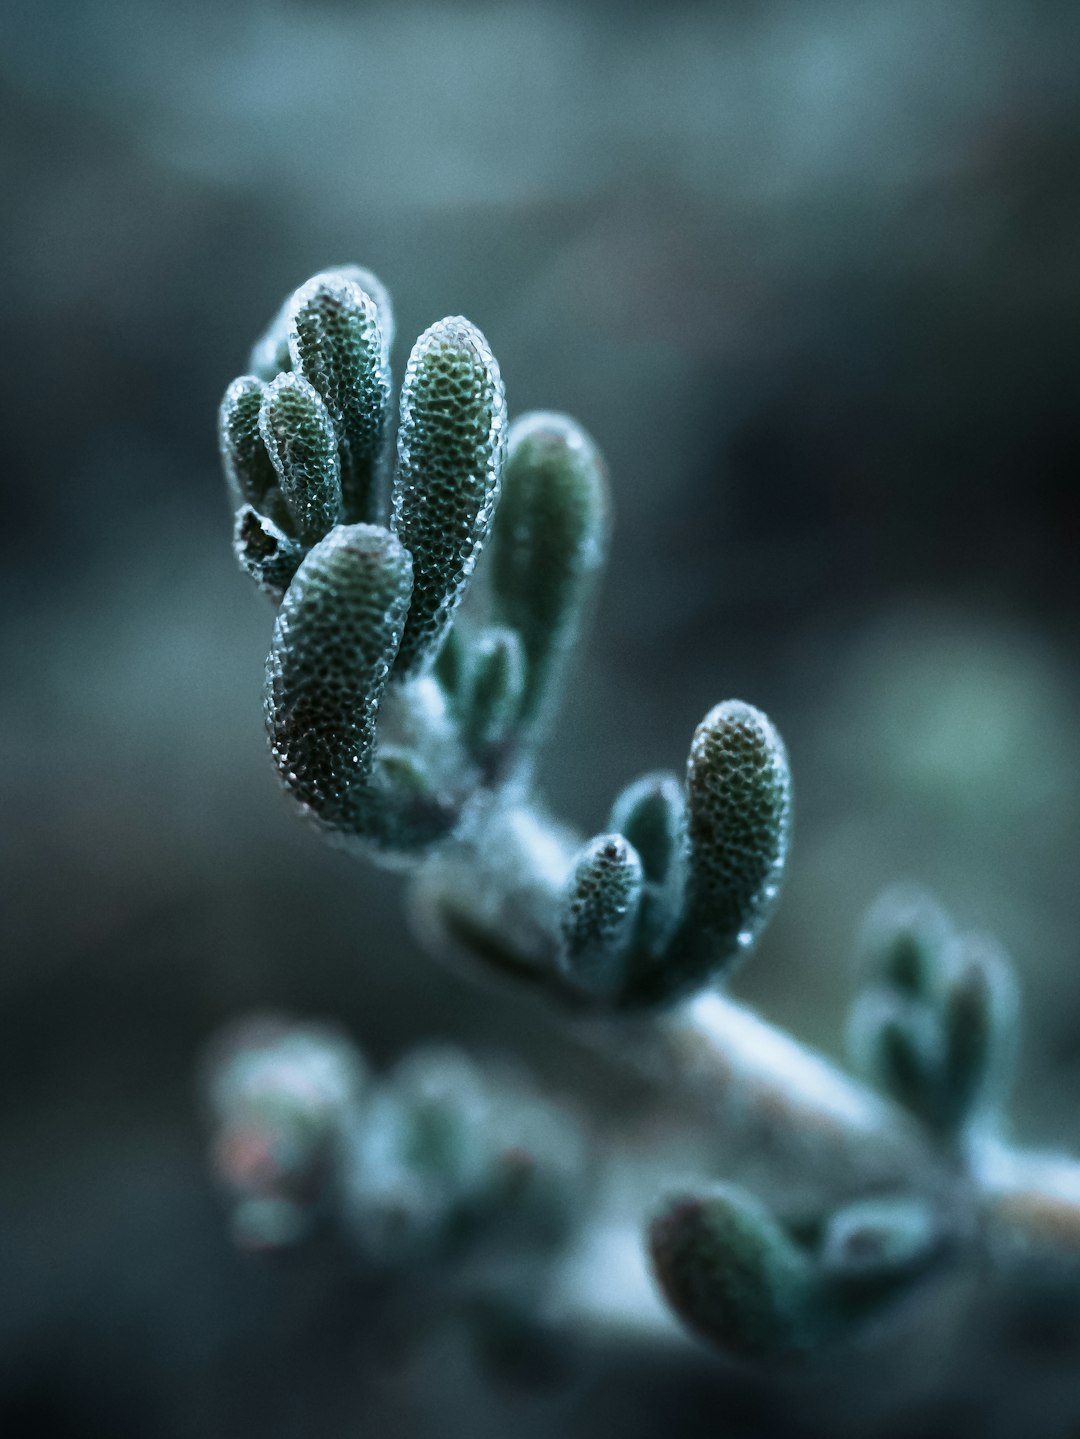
<point x="406" y="699"/>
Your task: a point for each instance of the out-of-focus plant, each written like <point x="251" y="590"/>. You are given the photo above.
<point x="405" y="725"/>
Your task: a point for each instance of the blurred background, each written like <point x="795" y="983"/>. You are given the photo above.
<point x="809" y="275"/>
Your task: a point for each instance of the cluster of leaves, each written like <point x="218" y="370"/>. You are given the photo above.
<point x="408" y="726"/>
<point x="402" y="729"/>
<point x="432" y="1162"/>
<point x="933" y="1026"/>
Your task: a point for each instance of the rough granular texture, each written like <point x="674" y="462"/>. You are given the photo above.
<point x="498" y="681"/>
<point x="738" y="790"/>
<point x="336" y="636"/>
<point x="600" y="913"/>
<point x="550" y="538"/>
<point x="450" y="450"/>
<point x="335" y="342"/>
<point x="302" y="444"/>
<point x="247" y="465"/>
<point x="270" y="355"/>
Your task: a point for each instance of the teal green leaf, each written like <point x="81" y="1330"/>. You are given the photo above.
<point x="451" y="440"/>
<point x="599" y="916"/>
<point x="549" y="544"/>
<point x="335" y="343"/>
<point x="336" y="636"/>
<point x="734" y="1275"/>
<point x="302" y="444"/>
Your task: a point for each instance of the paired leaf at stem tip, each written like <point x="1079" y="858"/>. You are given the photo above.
<point x="743" y="1280"/>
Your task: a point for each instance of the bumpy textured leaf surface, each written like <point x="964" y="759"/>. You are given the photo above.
<point x="738" y="788"/>
<point x="599" y="916"/>
<point x="248" y="469"/>
<point x="300" y="439"/>
<point x="336" y="636"/>
<point x="451" y="440"/>
<point x="335" y="343"/>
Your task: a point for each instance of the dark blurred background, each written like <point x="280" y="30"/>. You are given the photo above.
<point x="809" y="274"/>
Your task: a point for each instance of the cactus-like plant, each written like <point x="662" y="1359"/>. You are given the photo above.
<point x="405" y="707"/>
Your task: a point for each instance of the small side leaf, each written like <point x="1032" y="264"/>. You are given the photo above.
<point x="549" y="544"/>
<point x="599" y="915"/>
<point x="498" y="682"/>
<point x="875" y="1252"/>
<point x="248" y="470"/>
<point x="651" y="813"/>
<point x="301" y="442"/>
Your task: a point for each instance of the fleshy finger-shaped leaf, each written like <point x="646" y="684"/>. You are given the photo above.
<point x="270" y="355"/>
<point x="599" y="916"/>
<point x="903" y="941"/>
<point x="335" y="342"/>
<point x="497" y="683"/>
<point x="549" y="544"/>
<point x="734" y="1275"/>
<point x="877" y="1252"/>
<point x="738" y="798"/>
<point x="451" y="439"/>
<point x="897" y="1043"/>
<point x="979" y="1023"/>
<point x="876" y="1241"/>
<point x="302" y="444"/>
<point x="336" y="636"/>
<point x="248" y="469"/>
<point x="738" y="826"/>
